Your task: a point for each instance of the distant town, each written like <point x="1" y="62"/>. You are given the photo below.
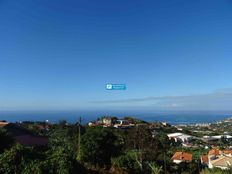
<point x="195" y="148"/>
<point x="215" y="138"/>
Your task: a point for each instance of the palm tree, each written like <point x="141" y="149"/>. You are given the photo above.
<point x="154" y="168"/>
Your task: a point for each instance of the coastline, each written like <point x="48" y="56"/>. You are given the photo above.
<point x="72" y="117"/>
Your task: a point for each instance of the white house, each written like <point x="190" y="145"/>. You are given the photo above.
<point x="180" y="136"/>
<point x="220" y="159"/>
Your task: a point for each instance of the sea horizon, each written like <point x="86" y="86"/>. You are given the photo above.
<point x="171" y="117"/>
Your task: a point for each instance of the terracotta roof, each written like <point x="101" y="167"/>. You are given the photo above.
<point x="2" y="123"/>
<point x="227" y="152"/>
<point x="204" y="159"/>
<point x="182" y="156"/>
<point x="222" y="161"/>
<point x="213" y="152"/>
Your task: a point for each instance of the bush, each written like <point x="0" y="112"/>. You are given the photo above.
<point x="99" y="145"/>
<point x="127" y="162"/>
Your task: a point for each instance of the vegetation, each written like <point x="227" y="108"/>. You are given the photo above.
<point x="99" y="145"/>
<point x="144" y="148"/>
<point x="6" y="141"/>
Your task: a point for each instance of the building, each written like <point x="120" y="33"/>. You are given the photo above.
<point x="180" y="137"/>
<point x="204" y="160"/>
<point x="180" y="157"/>
<point x="227" y="153"/>
<point x="187" y="145"/>
<point x="222" y="162"/>
<point x="213" y="154"/>
<point x="107" y="120"/>
<point x="216" y="138"/>
<point x="123" y="124"/>
<point x="220" y="159"/>
<point x="3" y="123"/>
<point x="93" y="124"/>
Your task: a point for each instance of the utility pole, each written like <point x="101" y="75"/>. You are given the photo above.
<point x="198" y="162"/>
<point x="79" y="140"/>
<point x="165" y="165"/>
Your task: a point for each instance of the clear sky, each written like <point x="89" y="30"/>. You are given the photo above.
<point x="171" y="54"/>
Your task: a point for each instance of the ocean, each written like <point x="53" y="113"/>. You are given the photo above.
<point x="173" y="118"/>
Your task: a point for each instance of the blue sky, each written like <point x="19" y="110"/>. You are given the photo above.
<point x="59" y="54"/>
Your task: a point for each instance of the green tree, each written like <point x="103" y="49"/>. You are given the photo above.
<point x="63" y="137"/>
<point x="154" y="168"/>
<point x="216" y="171"/>
<point x="27" y="160"/>
<point x="6" y="141"/>
<point x="13" y="160"/>
<point x="34" y="167"/>
<point x="99" y="145"/>
<point x="61" y="161"/>
<point x="127" y="162"/>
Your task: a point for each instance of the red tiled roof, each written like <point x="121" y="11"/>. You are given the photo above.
<point x="204" y="159"/>
<point x="213" y="152"/>
<point x="2" y="124"/>
<point x="182" y="156"/>
<point x="227" y="152"/>
<point x="41" y="127"/>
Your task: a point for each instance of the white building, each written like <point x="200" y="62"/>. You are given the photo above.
<point x="220" y="159"/>
<point x="179" y="137"/>
<point x="222" y="162"/>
